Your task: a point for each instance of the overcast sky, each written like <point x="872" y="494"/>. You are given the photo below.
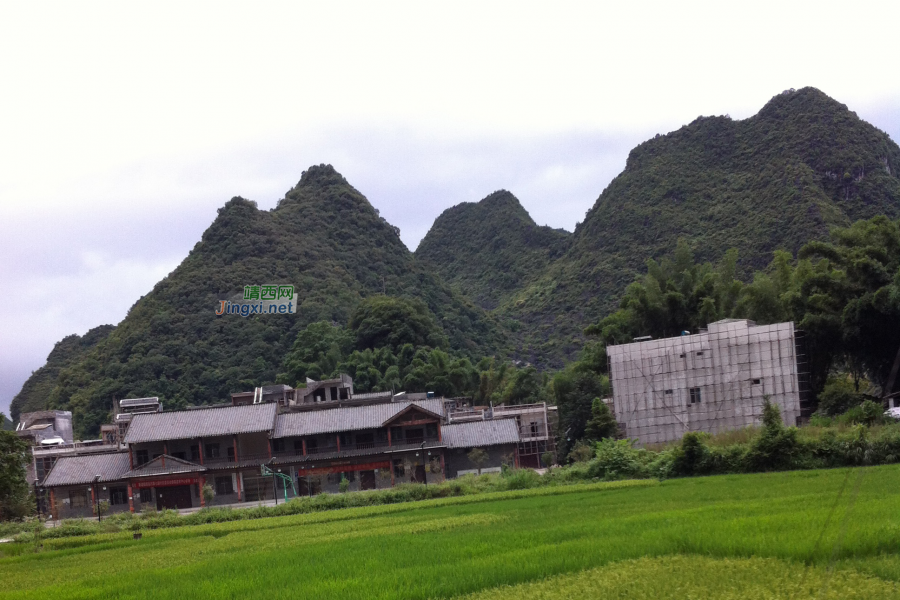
<point x="125" y="126"/>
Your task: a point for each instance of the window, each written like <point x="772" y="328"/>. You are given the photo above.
<point x="224" y="485"/>
<point x="334" y="393"/>
<point x="668" y="392"/>
<point x="757" y="381"/>
<point x="681" y="356"/>
<point x="118" y="495"/>
<point x="78" y="498"/>
<point x="699" y="354"/>
<point x="212" y="451"/>
<point x="278" y="445"/>
<point x="141" y="457"/>
<point x="298" y="447"/>
<point x="534" y="428"/>
<point x="695" y="396"/>
<point x="178" y="455"/>
<point x="229" y="451"/>
<point x="312" y="446"/>
<point x="343" y="393"/>
<point x="195" y="452"/>
<point x="146" y="495"/>
<point x="415" y="436"/>
<point x="399" y="469"/>
<point x="431" y="430"/>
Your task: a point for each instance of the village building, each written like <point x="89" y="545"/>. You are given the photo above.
<point x="713" y="381"/>
<point x="311" y="438"/>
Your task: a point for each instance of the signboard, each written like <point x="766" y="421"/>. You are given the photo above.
<point x="165" y="482"/>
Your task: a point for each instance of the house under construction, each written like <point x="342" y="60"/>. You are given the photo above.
<point x="712" y="381"/>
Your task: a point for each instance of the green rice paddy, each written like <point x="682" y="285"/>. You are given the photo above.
<point x="806" y="534"/>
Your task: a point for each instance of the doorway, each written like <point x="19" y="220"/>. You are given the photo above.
<point x="175" y="497"/>
<point x="367" y="480"/>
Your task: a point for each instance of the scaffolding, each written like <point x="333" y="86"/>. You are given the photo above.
<point x="713" y="381"/>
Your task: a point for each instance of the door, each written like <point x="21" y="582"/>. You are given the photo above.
<point x="175" y="497"/>
<point x="367" y="480"/>
<point x="419" y="475"/>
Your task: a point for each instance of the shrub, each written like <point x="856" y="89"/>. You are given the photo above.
<point x="691" y="457"/>
<point x="209" y="494"/>
<point x="547" y="459"/>
<point x="776" y="448"/>
<point x="344" y="485"/>
<point x="582" y="452"/>
<point x="619" y="459"/>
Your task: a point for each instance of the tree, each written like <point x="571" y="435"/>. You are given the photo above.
<point x="574" y="392"/>
<point x="14" y="502"/>
<point x="384" y="321"/>
<point x="602" y="424"/>
<point x="478" y="457"/>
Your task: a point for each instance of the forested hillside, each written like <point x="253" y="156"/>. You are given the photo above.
<point x="67" y="352"/>
<point x="774" y="181"/>
<point x="490" y="249"/>
<point x="324" y="238"/>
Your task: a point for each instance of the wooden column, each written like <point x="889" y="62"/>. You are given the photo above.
<point x="93" y="500"/>
<point x="200" y="441"/>
<point x="443" y="468"/>
<point x="389" y="442"/>
<point x="338" y="438"/>
<point x="234" y="441"/>
<point x="131" y="457"/>
<point x="304" y="446"/>
<point x="165" y="451"/>
<point x="130" y="499"/>
<point x="53" y="510"/>
<point x="270" y="447"/>
<point x="201" y="481"/>
<point x="237" y="481"/>
<point x="440" y="439"/>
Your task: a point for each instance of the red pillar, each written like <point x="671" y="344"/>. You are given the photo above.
<point x="237" y="480"/>
<point x="130" y="457"/>
<point x="93" y="500"/>
<point x="304" y="446"/>
<point x="200" y="441"/>
<point x="201" y="481"/>
<point x="130" y="499"/>
<point x="270" y="447"/>
<point x="440" y="439"/>
<point x="165" y="451"/>
<point x="234" y="441"/>
<point x="389" y="442"/>
<point x="338" y="438"/>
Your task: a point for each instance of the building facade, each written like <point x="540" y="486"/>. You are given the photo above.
<point x="712" y="381"/>
<point x="312" y="443"/>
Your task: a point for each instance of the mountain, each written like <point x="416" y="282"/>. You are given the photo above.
<point x="67" y="352"/>
<point x="324" y="238"/>
<point x="776" y="180"/>
<point x="490" y="249"/>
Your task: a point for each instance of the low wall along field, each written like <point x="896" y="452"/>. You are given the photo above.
<point x="807" y="534"/>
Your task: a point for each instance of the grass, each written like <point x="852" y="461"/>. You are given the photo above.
<point x="834" y="528"/>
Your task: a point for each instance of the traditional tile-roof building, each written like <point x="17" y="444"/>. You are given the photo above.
<point x="312" y="441"/>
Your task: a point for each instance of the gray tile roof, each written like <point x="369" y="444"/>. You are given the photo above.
<point x="186" y="424"/>
<point x="348" y="418"/>
<point x="172" y="466"/>
<point x="76" y="470"/>
<point x="480" y="433"/>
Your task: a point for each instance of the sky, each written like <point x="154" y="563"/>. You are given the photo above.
<point x="124" y="126"/>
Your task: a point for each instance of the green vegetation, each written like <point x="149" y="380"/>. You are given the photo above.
<point x="698" y="578"/>
<point x="14" y="496"/>
<point x="777" y="532"/>
<point x="491" y="249"/>
<point x="458" y="491"/>
<point x="776" y="180"/>
<point x="324" y="238"/>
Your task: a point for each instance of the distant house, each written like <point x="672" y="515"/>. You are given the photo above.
<point x="315" y="436"/>
<point x="712" y="381"/>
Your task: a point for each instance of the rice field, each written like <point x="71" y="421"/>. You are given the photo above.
<point x="806" y="534"/>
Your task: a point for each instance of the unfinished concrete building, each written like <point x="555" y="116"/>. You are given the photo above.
<point x="712" y="381"/>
